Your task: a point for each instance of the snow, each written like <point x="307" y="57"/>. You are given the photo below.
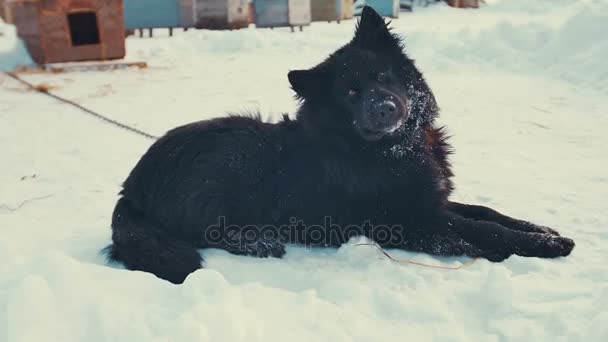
<point x="523" y="88"/>
<point x="12" y="50"/>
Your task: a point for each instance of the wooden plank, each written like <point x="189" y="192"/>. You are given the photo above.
<point x="57" y="68"/>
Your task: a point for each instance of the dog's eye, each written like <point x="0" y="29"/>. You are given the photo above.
<point x="381" y="77"/>
<point x="352" y="92"/>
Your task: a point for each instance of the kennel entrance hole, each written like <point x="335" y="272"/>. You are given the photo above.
<point x="83" y="28"/>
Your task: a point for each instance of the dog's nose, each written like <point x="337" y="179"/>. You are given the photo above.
<point x="387" y="107"/>
<point x="385" y="112"/>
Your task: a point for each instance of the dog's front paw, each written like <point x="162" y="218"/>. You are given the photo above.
<point x="548" y="246"/>
<point x="559" y="246"/>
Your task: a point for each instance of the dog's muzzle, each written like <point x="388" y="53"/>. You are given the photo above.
<point x="384" y="113"/>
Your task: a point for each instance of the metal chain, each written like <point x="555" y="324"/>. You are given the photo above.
<point x="84" y="109"/>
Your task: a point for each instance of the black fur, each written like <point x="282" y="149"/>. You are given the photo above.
<point x="364" y="148"/>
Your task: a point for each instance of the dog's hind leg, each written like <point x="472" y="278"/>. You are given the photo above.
<point x="478" y="212"/>
<point x="142" y="244"/>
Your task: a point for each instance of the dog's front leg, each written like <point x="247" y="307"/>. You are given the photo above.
<point x="478" y="212"/>
<point x="495" y="238"/>
<point x="435" y="238"/>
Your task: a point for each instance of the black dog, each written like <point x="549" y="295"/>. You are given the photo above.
<point x="363" y="157"/>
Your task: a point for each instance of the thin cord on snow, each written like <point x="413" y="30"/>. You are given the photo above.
<point x="45" y="91"/>
<point x="409" y="262"/>
<point x="25" y="202"/>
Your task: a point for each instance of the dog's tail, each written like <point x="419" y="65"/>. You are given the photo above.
<point x="143" y="245"/>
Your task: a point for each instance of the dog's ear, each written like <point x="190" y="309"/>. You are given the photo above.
<point x="305" y="82"/>
<point x="370" y="21"/>
<point x="373" y="32"/>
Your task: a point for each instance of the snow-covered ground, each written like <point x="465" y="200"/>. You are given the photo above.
<point x="523" y="87"/>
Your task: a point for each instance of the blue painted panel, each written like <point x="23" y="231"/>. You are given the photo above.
<point x="271" y="13"/>
<point x="386" y="8"/>
<point x="152" y="13"/>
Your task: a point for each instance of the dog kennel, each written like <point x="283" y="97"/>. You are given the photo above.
<point x="277" y="13"/>
<point x="70" y="30"/>
<point x="221" y="14"/>
<point x="2" y="11"/>
<point x="330" y="10"/>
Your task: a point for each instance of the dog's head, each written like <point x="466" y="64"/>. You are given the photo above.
<point x="369" y="87"/>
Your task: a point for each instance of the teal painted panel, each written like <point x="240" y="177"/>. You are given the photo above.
<point x="271" y="13"/>
<point x="152" y="13"/>
<point x="386" y="8"/>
